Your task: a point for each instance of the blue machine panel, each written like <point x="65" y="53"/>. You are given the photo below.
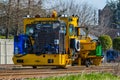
<point x="20" y="44"/>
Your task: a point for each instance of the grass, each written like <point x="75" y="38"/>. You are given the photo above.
<point x="3" y="37"/>
<point x="92" y="76"/>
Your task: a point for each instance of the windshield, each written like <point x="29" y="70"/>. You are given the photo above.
<point x="41" y="26"/>
<point x="47" y="36"/>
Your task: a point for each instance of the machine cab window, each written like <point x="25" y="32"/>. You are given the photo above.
<point x="63" y="28"/>
<point x="71" y="30"/>
<point x="30" y="29"/>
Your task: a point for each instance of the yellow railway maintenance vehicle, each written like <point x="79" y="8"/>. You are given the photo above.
<point x="54" y="41"/>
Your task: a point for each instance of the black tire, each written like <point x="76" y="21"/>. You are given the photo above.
<point x="61" y="67"/>
<point x="34" y="67"/>
<point x="87" y="63"/>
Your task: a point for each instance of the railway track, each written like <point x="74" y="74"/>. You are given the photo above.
<point x="18" y="73"/>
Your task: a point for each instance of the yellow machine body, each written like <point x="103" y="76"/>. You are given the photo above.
<point x="42" y="60"/>
<point x="70" y="56"/>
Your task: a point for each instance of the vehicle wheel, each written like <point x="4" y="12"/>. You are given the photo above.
<point x="34" y="67"/>
<point x="61" y="67"/>
<point x="87" y="63"/>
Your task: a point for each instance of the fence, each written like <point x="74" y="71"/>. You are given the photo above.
<point x="6" y="51"/>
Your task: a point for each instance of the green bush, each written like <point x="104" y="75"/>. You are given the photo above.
<point x="116" y="43"/>
<point x="106" y="42"/>
<point x="3" y="37"/>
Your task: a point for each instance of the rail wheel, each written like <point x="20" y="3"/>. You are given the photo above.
<point x="87" y="62"/>
<point x="61" y="67"/>
<point x="34" y="67"/>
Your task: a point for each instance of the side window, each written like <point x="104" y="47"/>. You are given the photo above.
<point x="71" y="30"/>
<point x="29" y="29"/>
<point x="76" y="31"/>
<point x="64" y="27"/>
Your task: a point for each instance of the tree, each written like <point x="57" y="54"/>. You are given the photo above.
<point x="14" y="11"/>
<point x="116" y="43"/>
<point x="86" y="13"/>
<point x="106" y="42"/>
<point x="112" y="4"/>
<point x="108" y="19"/>
<point x="115" y="8"/>
<point x="7" y="21"/>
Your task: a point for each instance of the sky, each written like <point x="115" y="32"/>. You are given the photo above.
<point x="99" y="4"/>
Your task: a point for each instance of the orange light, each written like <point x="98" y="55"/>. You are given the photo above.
<point x="37" y="16"/>
<point x="54" y="13"/>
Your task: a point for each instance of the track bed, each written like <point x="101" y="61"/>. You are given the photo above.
<point x="18" y="72"/>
